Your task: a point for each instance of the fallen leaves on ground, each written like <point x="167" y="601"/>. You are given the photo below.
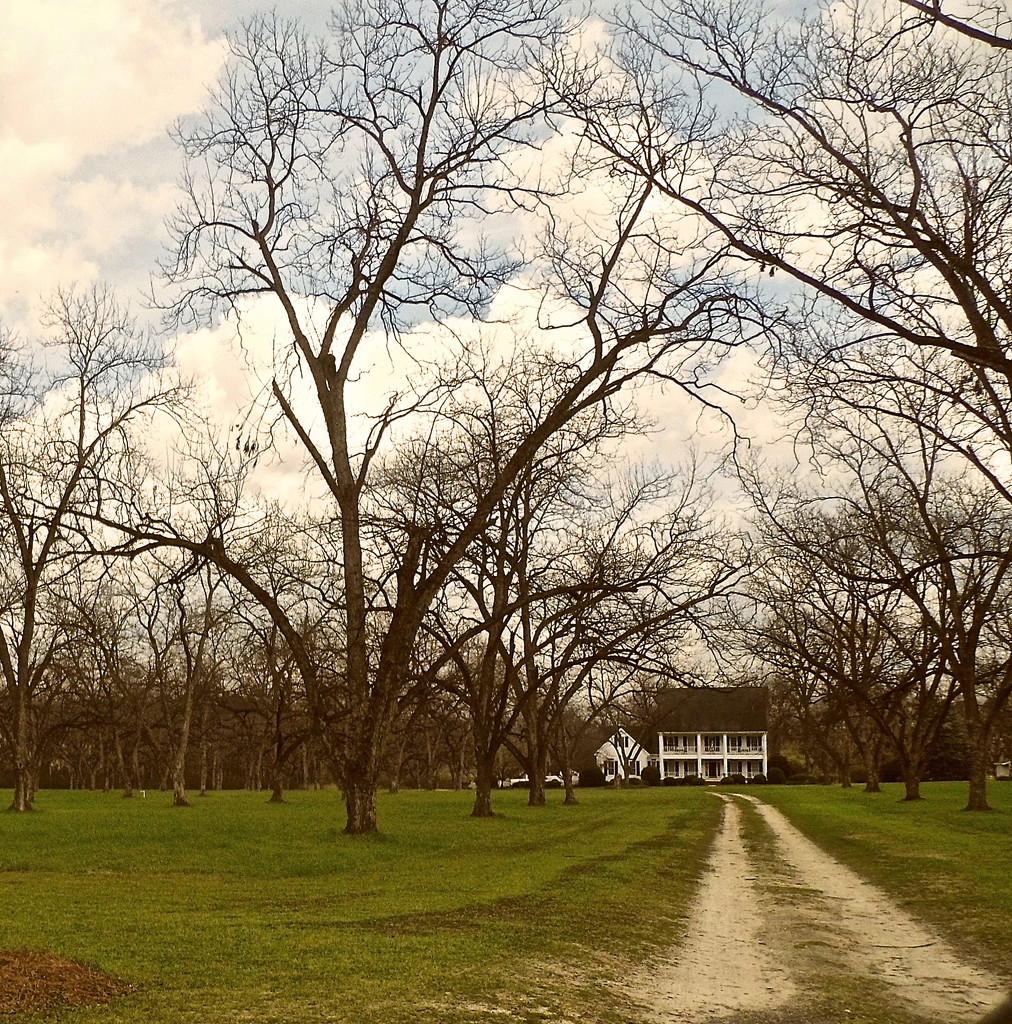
<point x="32" y="981"/>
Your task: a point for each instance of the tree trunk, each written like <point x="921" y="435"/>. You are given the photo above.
<point x="976" y="797"/>
<point x="128" y="789"/>
<point x="278" y="752"/>
<point x="277" y="783"/>
<point x="179" y="764"/>
<point x="912" y="786"/>
<point x="537" y="762"/>
<point x="537" y="791"/>
<point x="203" y="762"/>
<point x="22" y="801"/>
<point x="484" y="784"/>
<point x="360" y="804"/>
<point x="457" y="768"/>
<point x="136" y="782"/>
<point x="22" y="790"/>
<point x="107" y="769"/>
<point x="870" y="751"/>
<point x="978" y="736"/>
<point x="562" y="749"/>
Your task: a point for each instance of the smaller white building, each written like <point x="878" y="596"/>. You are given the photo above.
<point x="621" y="756"/>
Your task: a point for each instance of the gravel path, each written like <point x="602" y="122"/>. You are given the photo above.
<point x="762" y="925"/>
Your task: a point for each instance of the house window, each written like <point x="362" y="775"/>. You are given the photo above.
<point x="675" y="744"/>
<point x="711" y="744"/>
<point x="610" y="767"/>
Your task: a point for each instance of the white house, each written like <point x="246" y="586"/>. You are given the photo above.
<point x="706" y="731"/>
<point x="622" y="756"/>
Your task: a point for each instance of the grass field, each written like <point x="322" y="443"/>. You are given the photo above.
<point x="238" y="910"/>
<point x="948" y="866"/>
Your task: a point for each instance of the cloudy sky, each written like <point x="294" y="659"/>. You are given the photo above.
<point x="88" y="92"/>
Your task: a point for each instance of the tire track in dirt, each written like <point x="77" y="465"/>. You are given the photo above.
<point x="878" y="937"/>
<point x="725" y="964"/>
<point x="763" y="929"/>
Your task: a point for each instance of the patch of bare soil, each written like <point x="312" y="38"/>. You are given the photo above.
<point x="772" y="922"/>
<point x="32" y="981"/>
<point x="725" y="964"/>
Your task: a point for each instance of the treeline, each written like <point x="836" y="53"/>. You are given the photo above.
<point x="172" y="629"/>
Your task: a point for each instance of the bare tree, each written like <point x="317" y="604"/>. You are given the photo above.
<point x="985" y="23"/>
<point x="63" y="448"/>
<point x="923" y="556"/>
<point x="349" y="182"/>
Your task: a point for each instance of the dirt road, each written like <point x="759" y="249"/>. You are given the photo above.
<point x="776" y="916"/>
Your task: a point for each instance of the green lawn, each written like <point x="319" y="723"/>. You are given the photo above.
<point x="239" y="910"/>
<point x="948" y="866"/>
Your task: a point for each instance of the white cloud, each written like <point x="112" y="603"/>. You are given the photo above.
<point x="81" y="82"/>
<point x="108" y="72"/>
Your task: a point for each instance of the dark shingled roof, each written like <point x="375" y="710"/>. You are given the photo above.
<point x="712" y="709"/>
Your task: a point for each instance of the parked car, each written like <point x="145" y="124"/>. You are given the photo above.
<point x="522" y="782"/>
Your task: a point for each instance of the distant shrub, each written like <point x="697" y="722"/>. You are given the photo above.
<point x="758" y="779"/>
<point x="694" y="780"/>
<point x="801" y="779"/>
<point x="592" y="777"/>
<point x="651" y="775"/>
<point x="776" y="776"/>
<point x="668" y="781"/>
<point x="634" y="780"/>
<point x="734" y="779"/>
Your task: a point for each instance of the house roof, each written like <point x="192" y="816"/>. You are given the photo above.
<point x="713" y="709"/>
